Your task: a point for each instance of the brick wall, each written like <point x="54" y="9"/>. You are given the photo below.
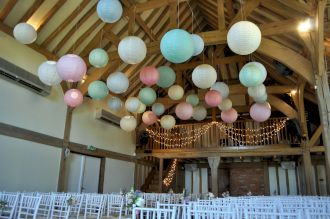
<point x="245" y="177"/>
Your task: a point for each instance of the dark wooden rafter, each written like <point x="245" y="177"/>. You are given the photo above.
<point x="36" y="4"/>
<point x="50" y="14"/>
<point x="7" y="9"/>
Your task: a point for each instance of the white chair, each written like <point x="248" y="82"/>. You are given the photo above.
<point x="94" y="206"/>
<point x="181" y="209"/>
<point x="29" y="206"/>
<point x="115" y="205"/>
<point x="10" y="202"/>
<point x="75" y="207"/>
<point x="45" y="205"/>
<point x="60" y="207"/>
<point x="211" y="212"/>
<point x="153" y="213"/>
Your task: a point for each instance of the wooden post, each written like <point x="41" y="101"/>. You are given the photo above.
<point x="66" y="140"/>
<point x="160" y="176"/>
<point x="308" y="172"/>
<point x="214" y="164"/>
<point x="102" y="173"/>
<point x="136" y="170"/>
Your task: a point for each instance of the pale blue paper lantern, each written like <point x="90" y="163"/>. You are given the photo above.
<point x="114" y="103"/>
<point x="177" y="46"/>
<point x="252" y="74"/>
<point x="167" y="77"/>
<point x="98" y="58"/>
<point x="158" y="108"/>
<point x="109" y="11"/>
<point x="192" y="99"/>
<point x="199" y="113"/>
<point x="147" y="96"/>
<point x="198" y="44"/>
<point x="98" y="90"/>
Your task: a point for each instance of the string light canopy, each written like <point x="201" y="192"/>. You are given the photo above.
<point x="177" y="137"/>
<point x="170" y="175"/>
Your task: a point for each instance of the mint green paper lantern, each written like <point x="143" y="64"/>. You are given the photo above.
<point x="98" y="58"/>
<point x="177" y="46"/>
<point x="252" y="74"/>
<point x="98" y="90"/>
<point x="192" y="99"/>
<point x="167" y="76"/>
<point x="147" y="96"/>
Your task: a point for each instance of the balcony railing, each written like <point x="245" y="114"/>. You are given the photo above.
<point x="217" y="134"/>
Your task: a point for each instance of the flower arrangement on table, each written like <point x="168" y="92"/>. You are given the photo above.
<point x="225" y="194"/>
<point x="249" y="193"/>
<point x="208" y="195"/>
<point x="3" y="206"/>
<point x="71" y="201"/>
<point x="134" y="198"/>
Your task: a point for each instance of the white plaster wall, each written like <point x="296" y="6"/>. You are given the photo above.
<point x="28" y="166"/>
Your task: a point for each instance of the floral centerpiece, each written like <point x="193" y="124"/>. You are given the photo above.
<point x="225" y="194"/>
<point x="134" y="198"/>
<point x="3" y="206"/>
<point x="71" y="201"/>
<point x="249" y="193"/>
<point x="208" y="195"/>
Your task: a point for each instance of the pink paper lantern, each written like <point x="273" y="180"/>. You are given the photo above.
<point x="184" y="111"/>
<point x="229" y="116"/>
<point x="149" y="75"/>
<point x="260" y="112"/>
<point x="73" y="97"/>
<point x="149" y="118"/>
<point x="71" y="68"/>
<point x="213" y="98"/>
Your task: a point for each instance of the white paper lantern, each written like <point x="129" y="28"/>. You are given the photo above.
<point x="114" y="103"/>
<point x="244" y="37"/>
<point x="132" y="50"/>
<point x="25" y="33"/>
<point x="257" y="91"/>
<point x="204" y="76"/>
<point x="142" y="108"/>
<point x="199" y="113"/>
<point x="128" y="123"/>
<point x="158" y="108"/>
<point x="261" y="99"/>
<point x="167" y="122"/>
<point x="225" y="105"/>
<point x="222" y="88"/>
<point x="118" y="82"/>
<point x="47" y="73"/>
<point x="98" y="58"/>
<point x="175" y="92"/>
<point x="198" y="44"/>
<point x="132" y="104"/>
<point x="109" y="11"/>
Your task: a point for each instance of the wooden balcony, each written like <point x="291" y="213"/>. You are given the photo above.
<point x="242" y="138"/>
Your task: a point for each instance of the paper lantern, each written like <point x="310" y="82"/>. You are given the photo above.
<point x="229" y="116"/>
<point x="175" y="92"/>
<point x="198" y="44"/>
<point x="109" y="11"/>
<point x="184" y="111"/>
<point x="260" y="112"/>
<point x="261" y="99"/>
<point x="114" y="103"/>
<point x="167" y="77"/>
<point x="257" y="91"/>
<point x="252" y="75"/>
<point x="192" y="99"/>
<point x="149" y="75"/>
<point x="25" y="33"/>
<point x="213" y="98"/>
<point x="98" y="58"/>
<point x="132" y="50"/>
<point x="47" y="73"/>
<point x="128" y="123"/>
<point x="204" y="76"/>
<point x="149" y="118"/>
<point x="73" y="98"/>
<point x="147" y="96"/>
<point x="222" y="88"/>
<point x="142" y="108"/>
<point x="71" y="68"/>
<point x="132" y="104"/>
<point x="199" y="113"/>
<point x="98" y="90"/>
<point x="158" y="108"/>
<point x="117" y="82"/>
<point x="225" y="105"/>
<point x="167" y="122"/>
<point x="177" y="46"/>
<point x="244" y="37"/>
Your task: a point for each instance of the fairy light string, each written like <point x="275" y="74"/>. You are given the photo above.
<point x="181" y="137"/>
<point x="170" y="175"/>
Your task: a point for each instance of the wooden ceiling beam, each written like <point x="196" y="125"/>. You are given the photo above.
<point x="153" y="4"/>
<point x="36" y="4"/>
<point x="245" y="10"/>
<point x="299" y="6"/>
<point x="221" y="15"/>
<point x="7" y="9"/>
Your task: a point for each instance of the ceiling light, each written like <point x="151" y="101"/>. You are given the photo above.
<point x="305" y="26"/>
